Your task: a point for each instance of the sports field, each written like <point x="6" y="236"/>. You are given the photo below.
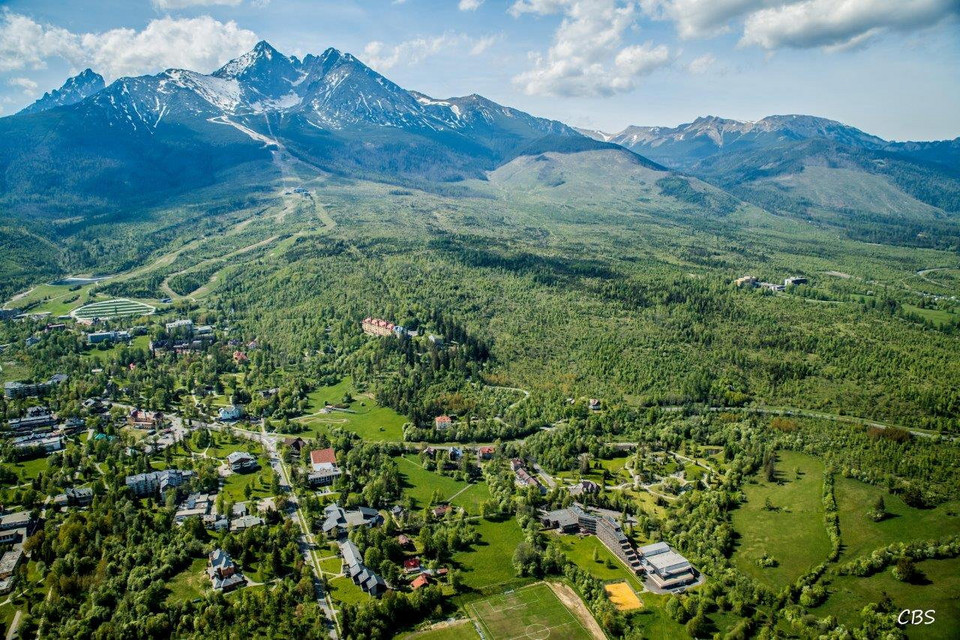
<point x="533" y="613"/>
<point x="116" y="308"/>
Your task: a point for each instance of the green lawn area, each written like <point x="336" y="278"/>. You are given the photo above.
<point x="850" y="594"/>
<point x="490" y="562"/>
<point x="420" y="484"/>
<point x="533" y="612"/>
<point x="365" y="417"/>
<point x="800" y="513"/>
<point x="861" y="535"/>
<point x="190" y="583"/>
<point x="13" y="371"/>
<point x="472" y="498"/>
<point x="105" y="355"/>
<point x="461" y="630"/>
<point x="234" y="484"/>
<point x="936" y="316"/>
<point x="693" y="473"/>
<point x="343" y="590"/>
<point x="29" y="469"/>
<point x="653" y="619"/>
<point x="223" y="444"/>
<point x="331" y="565"/>
<point x="57" y="300"/>
<point x="580" y="551"/>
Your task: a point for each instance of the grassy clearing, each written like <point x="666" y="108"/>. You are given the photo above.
<point x="849" y="594"/>
<point x="420" y="484"/>
<point x="343" y="590"/>
<point x="861" y="535"/>
<point x="105" y="355"/>
<point x="363" y="417"/>
<point x="581" y="551"/>
<point x="190" y="583"/>
<point x="533" y="612"/>
<point x="11" y="370"/>
<point x="259" y="481"/>
<point x="798" y="510"/>
<point x="30" y="469"/>
<point x="490" y="562"/>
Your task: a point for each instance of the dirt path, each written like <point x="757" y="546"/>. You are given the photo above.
<point x="573" y="602"/>
<point x="446" y="624"/>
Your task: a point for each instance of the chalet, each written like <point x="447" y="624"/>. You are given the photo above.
<point x="397" y="512"/>
<point x="442" y="422"/>
<point x="405" y="542"/>
<point x="523" y="478"/>
<point x="242" y="462"/>
<point x="440" y="510"/>
<point x="338" y="520"/>
<point x="411" y="565"/>
<point x="420" y="582"/>
<point x="361" y="575"/>
<point x="486" y="453"/>
<point x="455" y="453"/>
<point x="295" y="444"/>
<point x="224" y="574"/>
<point x="240" y="357"/>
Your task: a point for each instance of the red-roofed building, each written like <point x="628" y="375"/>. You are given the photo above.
<point x="411" y="565"/>
<point x="323" y="456"/>
<point x="420" y="582"/>
<point x="443" y="422"/>
<point x="487" y="452"/>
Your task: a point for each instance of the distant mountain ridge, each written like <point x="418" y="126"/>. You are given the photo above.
<point x="75" y="89"/>
<point x="146" y="137"/>
<point x="819" y="170"/>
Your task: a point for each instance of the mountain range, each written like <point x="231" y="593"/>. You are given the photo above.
<point x="86" y="150"/>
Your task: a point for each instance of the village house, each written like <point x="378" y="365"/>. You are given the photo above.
<point x="242" y="462"/>
<point x="295" y="444"/>
<point x="486" y="453"/>
<point x="338" y="520"/>
<point x="420" y="582"/>
<point x="361" y="575"/>
<point x="583" y="487"/>
<point x="140" y="419"/>
<point x="442" y="422"/>
<point x="224" y="574"/>
<point x="411" y="565"/>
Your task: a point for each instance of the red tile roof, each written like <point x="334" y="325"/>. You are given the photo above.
<point x="411" y="563"/>
<point x="323" y="455"/>
<point x="420" y="581"/>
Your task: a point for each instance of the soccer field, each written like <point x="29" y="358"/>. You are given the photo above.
<point x="533" y="613"/>
<point x="117" y="308"/>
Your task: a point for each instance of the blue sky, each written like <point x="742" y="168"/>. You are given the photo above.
<point x="890" y="67"/>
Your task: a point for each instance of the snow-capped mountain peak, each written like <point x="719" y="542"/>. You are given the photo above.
<point x="75" y="89"/>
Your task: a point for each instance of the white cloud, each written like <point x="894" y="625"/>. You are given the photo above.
<point x="182" y="4"/>
<point x="29" y="86"/>
<point x="702" y="64"/>
<point x="199" y="44"/>
<point x="469" y="5"/>
<point x="702" y="18"/>
<point x="588" y="56"/>
<point x="839" y="24"/>
<point x="410" y="52"/>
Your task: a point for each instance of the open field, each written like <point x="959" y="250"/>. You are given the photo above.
<point x="861" y="535"/>
<point x="798" y="508"/>
<point x="533" y="612"/>
<point x="259" y="481"/>
<point x="190" y="583"/>
<point x="343" y="590"/>
<point x="421" y="484"/>
<point x="116" y="308"/>
<point x="111" y="351"/>
<point x="938" y="591"/>
<point x="490" y="562"/>
<point x="363" y="416"/>
<point x="581" y="551"/>
<point x="29" y="469"/>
